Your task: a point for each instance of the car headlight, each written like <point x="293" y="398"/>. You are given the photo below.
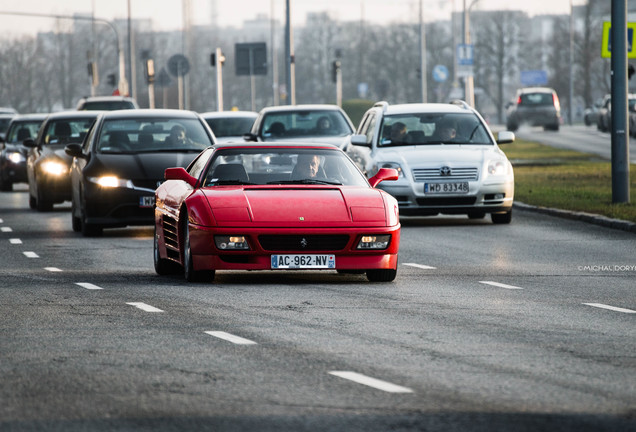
<point x="16" y="157"/>
<point x="54" y="168"/>
<point x="374" y="241"/>
<point x="394" y="165"/>
<point x="497" y="167"/>
<point x="110" y="181"/>
<point x="224" y="242"/>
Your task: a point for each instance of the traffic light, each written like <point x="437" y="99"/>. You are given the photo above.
<point x="630" y="71"/>
<point x="213" y="58"/>
<point x="335" y="67"/>
<point x="111" y="80"/>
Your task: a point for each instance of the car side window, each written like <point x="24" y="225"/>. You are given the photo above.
<point x="370" y="128"/>
<point x="199" y="164"/>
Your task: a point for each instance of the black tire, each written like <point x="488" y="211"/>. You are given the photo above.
<point x="191" y="274"/>
<point x="76" y="222"/>
<point x="32" y="202"/>
<point x="162" y="266"/>
<point x="88" y="230"/>
<point x="381" y="275"/>
<point x="41" y="204"/>
<point x="501" y="218"/>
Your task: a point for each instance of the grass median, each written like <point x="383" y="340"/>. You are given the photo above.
<point x="550" y="177"/>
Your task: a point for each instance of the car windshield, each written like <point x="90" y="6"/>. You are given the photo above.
<point x="66" y="131"/>
<point x="282" y="166"/>
<point x="298" y="124"/>
<point x="146" y="135"/>
<point x="19" y="131"/>
<point x="230" y="126"/>
<point x="433" y="128"/>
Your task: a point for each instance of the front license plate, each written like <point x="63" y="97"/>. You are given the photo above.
<point x="303" y="261"/>
<point x="146" y="201"/>
<point x="457" y="187"/>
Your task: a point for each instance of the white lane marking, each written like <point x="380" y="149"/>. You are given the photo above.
<point x="231" y="338"/>
<point x="612" y="308"/>
<point x="500" y="285"/>
<point x="420" y="266"/>
<point x="371" y="382"/>
<point x="30" y="254"/>
<point x="6" y="229"/>
<point x="89" y="286"/>
<point x="15" y="241"/>
<point x="52" y="269"/>
<point x="144" y="307"/>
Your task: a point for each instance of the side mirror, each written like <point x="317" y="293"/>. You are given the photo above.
<point x="250" y="137"/>
<point x="75" y="150"/>
<point x="383" y="174"/>
<point x="180" y="173"/>
<point x="29" y="142"/>
<point x="505" y="137"/>
<point x="359" y="140"/>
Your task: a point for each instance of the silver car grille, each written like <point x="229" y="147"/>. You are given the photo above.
<point x="445" y="173"/>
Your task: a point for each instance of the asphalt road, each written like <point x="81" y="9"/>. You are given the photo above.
<point x="524" y="327"/>
<point x="581" y="138"/>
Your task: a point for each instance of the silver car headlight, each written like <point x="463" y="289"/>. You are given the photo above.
<point x="111" y="182"/>
<point x="497" y="167"/>
<point x="394" y="165"/>
<point x="16" y="157"/>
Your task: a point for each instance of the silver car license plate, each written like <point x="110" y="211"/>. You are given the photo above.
<point x="442" y="188"/>
<point x="146" y="201"/>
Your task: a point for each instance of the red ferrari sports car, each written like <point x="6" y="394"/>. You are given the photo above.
<point x="275" y="207"/>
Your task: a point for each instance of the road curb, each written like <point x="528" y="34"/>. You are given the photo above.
<point x="581" y="216"/>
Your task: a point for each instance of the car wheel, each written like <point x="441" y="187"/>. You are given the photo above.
<point x="191" y="274"/>
<point x="162" y="266"/>
<point x="501" y="218"/>
<point x="32" y="205"/>
<point x="41" y="204"/>
<point x="381" y="275"/>
<point x="76" y="222"/>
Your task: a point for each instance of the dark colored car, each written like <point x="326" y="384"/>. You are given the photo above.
<point x="534" y="106"/>
<point x="5" y="119"/>
<point x="13" y="153"/>
<point x="47" y="164"/>
<point x="116" y="171"/>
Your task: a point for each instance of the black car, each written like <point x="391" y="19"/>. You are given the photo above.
<point x="116" y="171"/>
<point x="13" y="153"/>
<point x="47" y="164"/>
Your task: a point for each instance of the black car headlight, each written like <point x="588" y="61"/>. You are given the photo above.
<point x="110" y="181"/>
<point x="16" y="157"/>
<point x="54" y="168"/>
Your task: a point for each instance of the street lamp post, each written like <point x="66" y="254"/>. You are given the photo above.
<point x="469" y="86"/>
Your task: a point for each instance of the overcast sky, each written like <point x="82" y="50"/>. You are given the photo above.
<point x="167" y="15"/>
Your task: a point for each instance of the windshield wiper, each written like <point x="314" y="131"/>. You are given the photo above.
<point x="306" y="181"/>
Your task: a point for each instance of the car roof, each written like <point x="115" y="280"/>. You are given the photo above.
<point x="425" y="108"/>
<point x="72" y="115"/>
<point x="106" y="98"/>
<point x="229" y="114"/>
<point x="306" y="107"/>
<point x="28" y="117"/>
<point x="149" y="113"/>
<point x="536" y="90"/>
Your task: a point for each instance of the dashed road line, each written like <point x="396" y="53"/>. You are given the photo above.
<point x="231" y="338"/>
<point x="144" y="307"/>
<point x="500" y="285"/>
<point x="6" y="229"/>
<point x="371" y="382"/>
<point x="15" y="241"/>
<point x="30" y="254"/>
<point x="52" y="269"/>
<point x="89" y="286"/>
<point x="612" y="308"/>
<point x="420" y="266"/>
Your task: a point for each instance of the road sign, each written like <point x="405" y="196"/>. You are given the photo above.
<point x="606" y="46"/>
<point x="465" y="54"/>
<point x="178" y="65"/>
<point x="251" y="58"/>
<point x="534" y="77"/>
<point x="440" y="73"/>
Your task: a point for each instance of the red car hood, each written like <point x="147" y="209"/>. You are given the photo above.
<point x="297" y="206"/>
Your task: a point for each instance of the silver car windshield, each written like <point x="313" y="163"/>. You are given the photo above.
<point x="433" y="128"/>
